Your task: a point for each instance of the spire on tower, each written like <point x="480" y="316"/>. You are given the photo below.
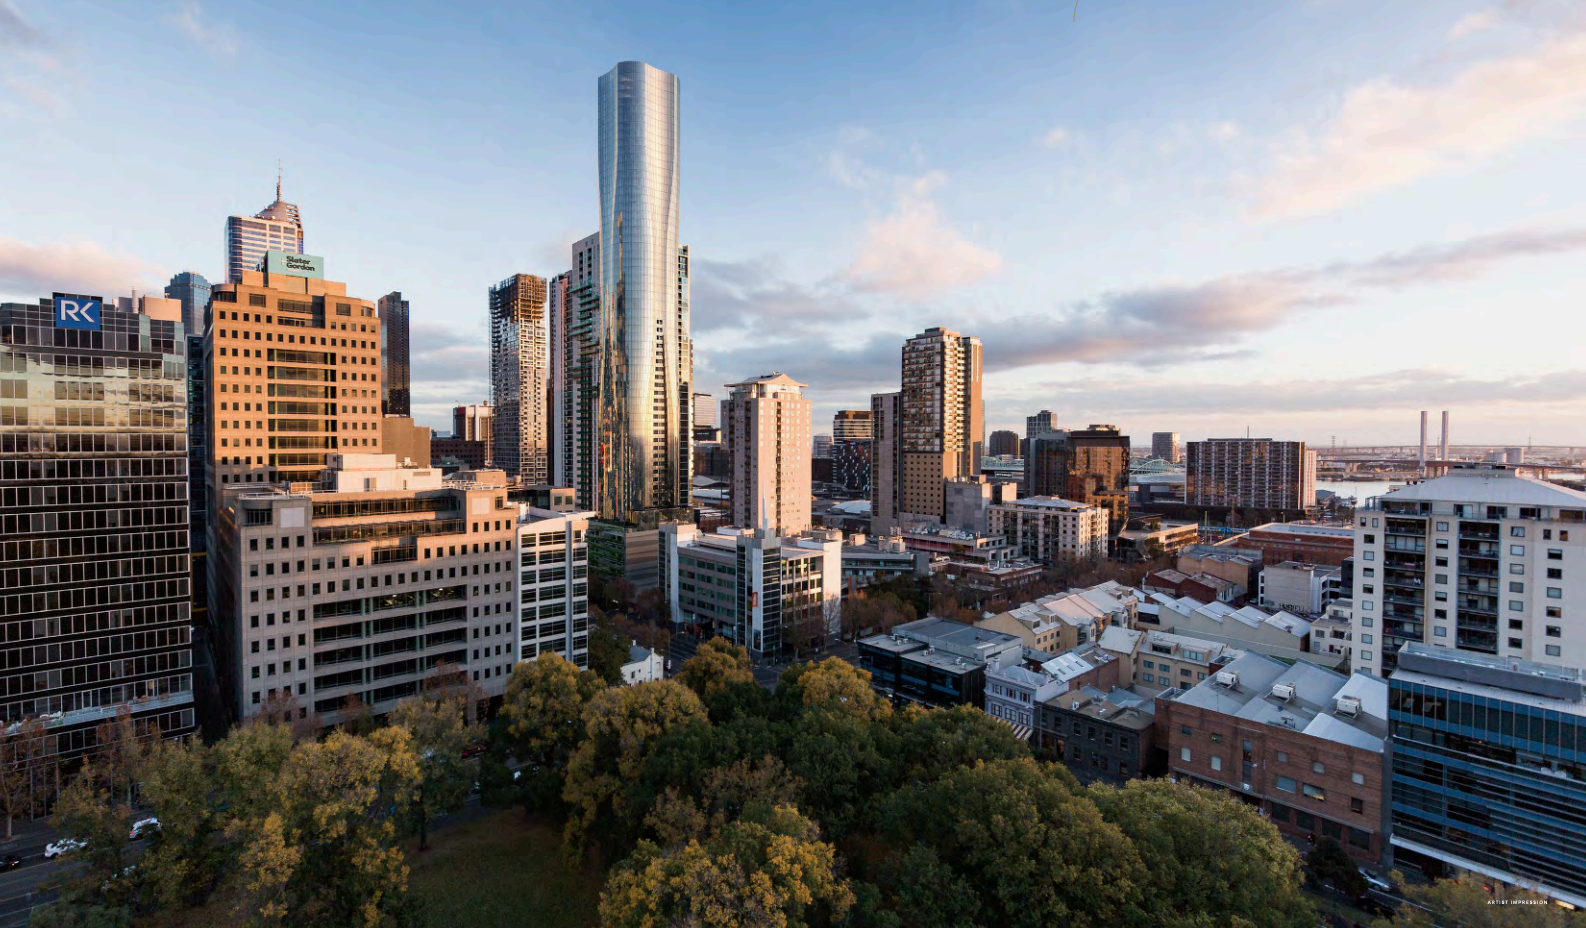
<point x="278" y="180"/>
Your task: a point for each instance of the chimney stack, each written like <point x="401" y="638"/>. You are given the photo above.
<point x="1442" y="448"/>
<point x="1423" y="443"/>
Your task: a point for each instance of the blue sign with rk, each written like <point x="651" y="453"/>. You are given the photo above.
<point x="72" y="313"/>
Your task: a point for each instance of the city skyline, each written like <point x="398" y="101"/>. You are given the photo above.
<point x="1259" y="250"/>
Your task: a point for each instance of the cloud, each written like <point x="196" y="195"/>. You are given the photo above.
<point x="1223" y="131"/>
<point x="752" y="293"/>
<point x="31" y="68"/>
<point x="446" y="355"/>
<point x="1472" y="23"/>
<point x="16" y="32"/>
<point x="1178" y="323"/>
<point x="32" y="270"/>
<point x="1056" y="138"/>
<point x="1387" y="133"/>
<point x="216" y="38"/>
<point x="847" y="368"/>
<point x="913" y="252"/>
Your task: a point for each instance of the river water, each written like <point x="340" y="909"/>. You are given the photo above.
<point x="1362" y="490"/>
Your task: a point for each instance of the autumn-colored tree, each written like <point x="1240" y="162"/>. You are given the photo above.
<point x="1467" y="903"/>
<point x="247" y="763"/>
<point x="1029" y="840"/>
<point x="744" y="788"/>
<point x="89" y="810"/>
<point x="323" y="848"/>
<point x="1212" y="859"/>
<point x="185" y="864"/>
<point x="448" y="680"/>
<point x="932" y="742"/>
<point x="21" y="748"/>
<point x="441" y="732"/>
<point x="832" y="685"/>
<point x="122" y="744"/>
<point x="621" y="728"/>
<point x="770" y="871"/>
<point x="542" y="718"/>
<point x="717" y="666"/>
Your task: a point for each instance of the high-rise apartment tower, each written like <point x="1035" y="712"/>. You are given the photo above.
<point x="396" y="371"/>
<point x="519" y="368"/>
<point x="767" y="432"/>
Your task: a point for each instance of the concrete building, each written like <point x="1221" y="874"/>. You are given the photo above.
<point x="1302" y="588"/>
<point x="1279" y="635"/>
<point x="646" y="355"/>
<point x="575" y="372"/>
<point x="1003" y="442"/>
<point x="968" y="504"/>
<point x="94" y="553"/>
<point x="355" y="591"/>
<point x="886" y="463"/>
<point x="552" y="595"/>
<point x="519" y="374"/>
<point x="938" y="432"/>
<point x="934" y="662"/>
<point x="704" y="411"/>
<point x="472" y="455"/>
<point x="1165" y="446"/>
<point x="408" y="443"/>
<point x="277" y="227"/>
<point x="1334" y="630"/>
<point x="776" y="596"/>
<point x="851" y="465"/>
<point x="1051" y="530"/>
<point x="643" y="666"/>
<point x="767" y="432"/>
<point x="867" y="560"/>
<point x="1089" y="466"/>
<point x="852" y="425"/>
<point x="1099" y="735"/>
<point x="1302" y="743"/>
<point x="1148" y="537"/>
<point x="545" y="496"/>
<point x="1250" y="473"/>
<point x="396" y="367"/>
<point x="1489" y="768"/>
<point x="191" y="290"/>
<point x="1042" y="423"/>
<point x="475" y="422"/>
<point x="1307" y="542"/>
<point x="1478" y="560"/>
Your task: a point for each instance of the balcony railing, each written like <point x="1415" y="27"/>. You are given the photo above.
<point x="1417" y="546"/>
<point x="1483" y="530"/>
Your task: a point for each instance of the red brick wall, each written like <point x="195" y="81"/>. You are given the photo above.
<point x="1277" y="547"/>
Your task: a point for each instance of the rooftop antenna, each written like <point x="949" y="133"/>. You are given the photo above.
<point x="278" y="179"/>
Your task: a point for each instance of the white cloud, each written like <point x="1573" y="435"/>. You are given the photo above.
<point x="1056" y="138"/>
<point x="1223" y="131"/>
<point x="1472" y="23"/>
<point x="1388" y="133"/>
<point x="217" y="38"/>
<point x="29" y="271"/>
<point x="914" y="252"/>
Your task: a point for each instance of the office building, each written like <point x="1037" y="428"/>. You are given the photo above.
<point x="767" y="430"/>
<point x="1042" y="423"/>
<point x="1165" y="446"/>
<point x="198" y="406"/>
<point x="94" y="555"/>
<point x="704" y="411"/>
<point x="476" y="422"/>
<point x="1308" y="542"/>
<point x="852" y="425"/>
<point x="396" y="370"/>
<point x="465" y="454"/>
<point x="519" y="373"/>
<point x="1051" y="530"/>
<point x="886" y="463"/>
<point x="1089" y="466"/>
<point x="277" y="227"/>
<point x="1489" y="769"/>
<point x="645" y="390"/>
<point x="553" y="591"/>
<point x="352" y="593"/>
<point x="192" y="291"/>
<point x="777" y="596"/>
<point x="936" y="662"/>
<point x="938" y="432"/>
<point x="1301" y="743"/>
<point x="821" y="446"/>
<point x="1250" y="473"/>
<point x="577" y="373"/>
<point x="851" y="465"/>
<point x="1003" y="443"/>
<point x="1481" y="560"/>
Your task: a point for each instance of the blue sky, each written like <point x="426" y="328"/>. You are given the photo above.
<point x="1310" y="218"/>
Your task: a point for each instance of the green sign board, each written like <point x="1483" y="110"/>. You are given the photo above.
<point x="281" y="262"/>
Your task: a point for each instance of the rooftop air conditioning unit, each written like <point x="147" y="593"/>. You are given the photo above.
<point x="1228" y="678"/>
<point x="1348" y="705"/>
<point x="1283" y="691"/>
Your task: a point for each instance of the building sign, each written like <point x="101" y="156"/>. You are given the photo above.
<point x="77" y="313"/>
<point x="281" y="262"/>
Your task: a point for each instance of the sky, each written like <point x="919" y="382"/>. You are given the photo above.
<point x="1309" y="219"/>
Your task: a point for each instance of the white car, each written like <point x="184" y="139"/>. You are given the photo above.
<point x="143" y="827"/>
<point x="63" y="846"/>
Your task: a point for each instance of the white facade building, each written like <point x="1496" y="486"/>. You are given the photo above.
<point x="767" y="432"/>
<point x="643" y="666"/>
<point x="1306" y="588"/>
<point x="1049" y="529"/>
<point x="1480" y="560"/>
<point x="553" y="584"/>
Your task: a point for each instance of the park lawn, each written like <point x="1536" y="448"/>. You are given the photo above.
<point x="504" y="869"/>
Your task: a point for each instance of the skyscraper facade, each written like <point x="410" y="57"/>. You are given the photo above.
<point x="192" y="291"/>
<point x="1041" y="423"/>
<point x="1255" y="473"/>
<point x="646" y="356"/>
<point x="704" y="410"/>
<point x="519" y="369"/>
<point x="886" y="463"/>
<point x="942" y="432"/>
<point x="396" y="376"/>
<point x="578" y="374"/>
<point x="277" y="227"/>
<point x="1165" y="446"/>
<point x="852" y="425"/>
<point x="767" y="432"/>
<point x="1003" y="442"/>
<point x="94" y="585"/>
<point x="1089" y="466"/>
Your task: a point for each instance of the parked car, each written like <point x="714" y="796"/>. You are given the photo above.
<point x="475" y="749"/>
<point x="63" y="846"/>
<point x="143" y="827"/>
<point x="1376" y="882"/>
<point x="10" y="862"/>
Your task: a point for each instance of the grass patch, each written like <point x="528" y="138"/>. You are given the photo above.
<point x="504" y="869"/>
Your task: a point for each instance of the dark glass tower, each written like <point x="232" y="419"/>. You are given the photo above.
<point x="193" y="292"/>
<point x="94" y="581"/>
<point x="396" y="373"/>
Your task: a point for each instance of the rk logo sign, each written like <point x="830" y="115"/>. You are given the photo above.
<point x="73" y="313"/>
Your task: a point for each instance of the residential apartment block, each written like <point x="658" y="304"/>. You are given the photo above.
<point x="1166" y="446"/>
<point x="1250" y="473"/>
<point x="520" y="359"/>
<point x="766" y="429"/>
<point x="552" y="603"/>
<point x="1051" y="530"/>
<point x="934" y="430"/>
<point x="1089" y="466"/>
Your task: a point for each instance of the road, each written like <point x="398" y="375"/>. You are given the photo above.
<point x="768" y="674"/>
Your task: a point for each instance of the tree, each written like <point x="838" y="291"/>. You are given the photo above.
<point x="1332" y="864"/>
<point x="1212" y="859"/>
<point x="448" y="680"/>
<point x="1030" y="841"/>
<point x="184" y="864"/>
<point x="742" y="789"/>
<point x="833" y="685"/>
<point x="542" y="715"/>
<point x="89" y="812"/>
<point x="933" y="742"/>
<point x="123" y="743"/>
<point x="715" y="667"/>
<point x="771" y="870"/>
<point x="1467" y="903"/>
<point x="322" y="849"/>
<point x="608" y="651"/>
<point x="441" y="732"/>
<point x="621" y="728"/>
<point x="21" y="747"/>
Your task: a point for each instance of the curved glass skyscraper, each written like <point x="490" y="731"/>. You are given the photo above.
<point x="646" y="354"/>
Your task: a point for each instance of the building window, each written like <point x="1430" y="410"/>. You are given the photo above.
<point x="1314" y="792"/>
<point x="1184" y="755"/>
<point x="1440" y="631"/>
<point x="1553" y="650"/>
<point x="1515" y="586"/>
<point x="1283" y="757"/>
<point x="1441" y="562"/>
<point x="1359" y="779"/>
<point x="1516" y="531"/>
<point x="1554" y="592"/>
<point x="1366" y="605"/>
<point x="1516" y="605"/>
<point x="1217" y="762"/>
<point x="1553" y="631"/>
<point x="1555" y="573"/>
<point x="1554" y="612"/>
<point x="1360" y="839"/>
<point x="1442" y="526"/>
<point x="1182" y="729"/>
<point x="1286" y="784"/>
<point x="1316" y="767"/>
<point x="1369" y="555"/>
<point x="1516" y="643"/>
<point x="1517" y="550"/>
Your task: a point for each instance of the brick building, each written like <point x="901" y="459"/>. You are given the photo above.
<point x="1306" y="542"/>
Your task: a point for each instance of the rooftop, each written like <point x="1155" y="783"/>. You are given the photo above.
<point x="1046" y="502"/>
<point x="1301" y="697"/>
<point x="1127" y="707"/>
<point x="1489" y="484"/>
<point x="1315" y="529"/>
